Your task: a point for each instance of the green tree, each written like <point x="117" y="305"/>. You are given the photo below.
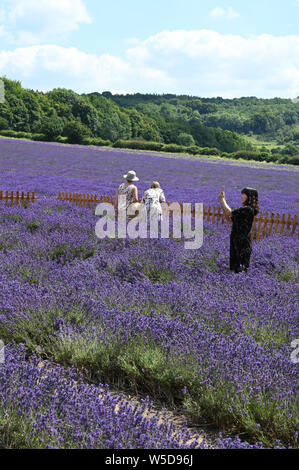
<point x="262" y="122"/>
<point x="3" y="123"/>
<point x="202" y="108"/>
<point x="52" y="127"/>
<point x="20" y="116"/>
<point x="115" y="127"/>
<point x="62" y="95"/>
<point x="6" y="113"/>
<point x="76" y="131"/>
<point x="149" y="133"/>
<point x="33" y="107"/>
<point x="185" y="139"/>
<point x="84" y="111"/>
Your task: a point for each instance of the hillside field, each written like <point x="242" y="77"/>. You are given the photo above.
<point x="172" y="326"/>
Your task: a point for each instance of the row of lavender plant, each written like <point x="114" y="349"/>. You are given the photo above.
<point x="46" y="406"/>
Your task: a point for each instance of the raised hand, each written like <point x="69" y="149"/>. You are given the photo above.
<point x="221" y="195"/>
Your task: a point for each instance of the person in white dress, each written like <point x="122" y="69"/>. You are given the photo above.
<point x="129" y="190"/>
<point x="152" y="199"/>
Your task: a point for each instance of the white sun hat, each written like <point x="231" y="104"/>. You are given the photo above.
<point x="131" y="176"/>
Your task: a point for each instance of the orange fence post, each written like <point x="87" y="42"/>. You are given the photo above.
<point x="277" y="222"/>
<point x="294" y="225"/>
<point x="213" y="215"/>
<point x="223" y="218"/>
<point x="204" y="212"/>
<point x="209" y="214"/>
<point x="28" y="198"/>
<point x="283" y="222"/>
<point x="266" y="220"/>
<point x="271" y="223"/>
<point x="288" y="224"/>
<point x="260" y="220"/>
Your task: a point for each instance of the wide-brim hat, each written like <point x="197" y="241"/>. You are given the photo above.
<point x="131" y="176"/>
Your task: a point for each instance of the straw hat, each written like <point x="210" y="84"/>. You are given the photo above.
<point x="131" y="176"/>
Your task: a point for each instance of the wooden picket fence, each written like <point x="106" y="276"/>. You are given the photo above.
<point x="17" y="198"/>
<point x="84" y="200"/>
<point x="263" y="224"/>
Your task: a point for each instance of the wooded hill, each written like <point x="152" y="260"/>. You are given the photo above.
<point x="226" y="125"/>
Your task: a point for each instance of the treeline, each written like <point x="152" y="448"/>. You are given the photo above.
<point x="244" y="115"/>
<point x="64" y="112"/>
<point x="160" y="121"/>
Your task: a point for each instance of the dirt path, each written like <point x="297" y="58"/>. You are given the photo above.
<point x="203" y="432"/>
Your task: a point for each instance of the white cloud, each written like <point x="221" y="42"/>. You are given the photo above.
<point x="228" y="12"/>
<point x="27" y="22"/>
<point x="202" y="63"/>
<point x="208" y="63"/>
<point x="71" y="68"/>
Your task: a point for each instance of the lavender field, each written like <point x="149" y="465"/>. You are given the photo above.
<point x="78" y="313"/>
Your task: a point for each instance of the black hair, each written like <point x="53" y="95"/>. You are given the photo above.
<point x="252" y="199"/>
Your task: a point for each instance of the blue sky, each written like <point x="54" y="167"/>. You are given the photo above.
<point x="223" y="48"/>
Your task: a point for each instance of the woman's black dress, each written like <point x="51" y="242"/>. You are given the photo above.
<point x="240" y="241"/>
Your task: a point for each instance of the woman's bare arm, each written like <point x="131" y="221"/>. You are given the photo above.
<point x="162" y="197"/>
<point x="116" y="201"/>
<point x="226" y="209"/>
<point x="135" y="194"/>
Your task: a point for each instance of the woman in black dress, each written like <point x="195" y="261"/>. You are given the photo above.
<point x="242" y="219"/>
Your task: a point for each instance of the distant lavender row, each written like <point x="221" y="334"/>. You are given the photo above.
<point x="49" y="168"/>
